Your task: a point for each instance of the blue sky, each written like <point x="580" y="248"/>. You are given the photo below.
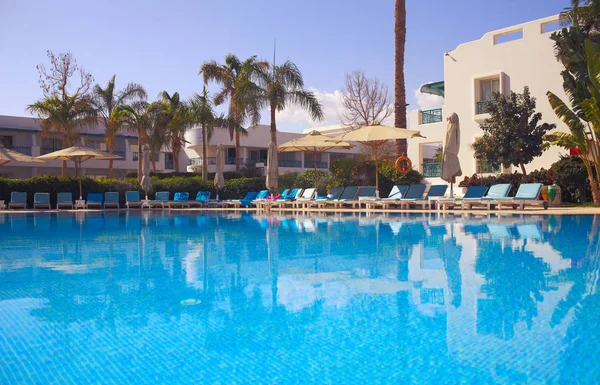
<point x="162" y="44"/>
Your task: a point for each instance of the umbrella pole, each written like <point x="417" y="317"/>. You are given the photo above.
<point x="376" y="174"/>
<point x="80" y="185"/>
<point x="315" y="166"/>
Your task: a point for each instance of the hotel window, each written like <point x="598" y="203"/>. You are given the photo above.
<point x="6" y="141"/>
<point x="488" y="88"/>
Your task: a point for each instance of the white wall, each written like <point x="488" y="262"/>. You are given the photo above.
<point x="529" y="61"/>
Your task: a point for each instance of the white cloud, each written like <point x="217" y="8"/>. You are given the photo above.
<point x="428" y="101"/>
<point x="295" y="118"/>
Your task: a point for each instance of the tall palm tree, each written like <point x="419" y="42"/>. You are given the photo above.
<point x="235" y="78"/>
<point x="201" y="113"/>
<point x="177" y="123"/>
<point x="64" y="116"/>
<point x="399" y="86"/>
<point x="140" y="117"/>
<point x="282" y="85"/>
<point x="107" y="101"/>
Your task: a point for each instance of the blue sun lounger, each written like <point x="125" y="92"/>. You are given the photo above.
<point x="349" y="194"/>
<point x="319" y="201"/>
<point x="245" y="201"/>
<point x="161" y="198"/>
<point x="64" y="200"/>
<point x="111" y="199"/>
<point x="527" y="195"/>
<point x="473" y="193"/>
<point x="497" y="191"/>
<point x="132" y="199"/>
<point x="396" y="193"/>
<point x="94" y="200"/>
<point x="18" y="200"/>
<point x="41" y="201"/>
<point x="363" y="195"/>
<point x="180" y="199"/>
<point x="201" y="199"/>
<point x="435" y="192"/>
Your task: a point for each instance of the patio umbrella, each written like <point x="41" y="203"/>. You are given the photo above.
<point x="450" y="163"/>
<point x="146" y="181"/>
<point x="313" y="142"/>
<point x="219" y="179"/>
<point x="78" y="154"/>
<point x="272" y="176"/>
<point x="7" y="155"/>
<point x="375" y="136"/>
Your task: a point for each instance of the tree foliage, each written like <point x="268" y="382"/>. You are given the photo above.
<point x="513" y="134"/>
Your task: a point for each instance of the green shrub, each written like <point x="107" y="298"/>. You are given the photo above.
<point x="572" y="178"/>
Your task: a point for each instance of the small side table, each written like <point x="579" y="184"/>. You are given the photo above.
<point x="79" y="204"/>
<point x="146" y="203"/>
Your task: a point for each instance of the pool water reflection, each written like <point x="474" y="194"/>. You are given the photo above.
<point x="170" y="298"/>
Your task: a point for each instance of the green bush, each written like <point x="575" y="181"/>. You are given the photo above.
<point x="572" y="178"/>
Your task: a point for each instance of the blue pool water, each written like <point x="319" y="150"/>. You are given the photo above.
<point x="136" y="298"/>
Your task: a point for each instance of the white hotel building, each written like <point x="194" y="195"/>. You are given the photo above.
<point x="503" y="60"/>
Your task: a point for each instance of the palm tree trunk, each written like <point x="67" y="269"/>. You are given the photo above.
<point x="111" y="148"/>
<point x="204" y="165"/>
<point x="64" y="168"/>
<point x="176" y="152"/>
<point x="523" y="170"/>
<point x="399" y="86"/>
<point x="153" y="159"/>
<point x="273" y="126"/>
<point x="237" y="151"/>
<point x="594" y="187"/>
<point x="139" y="170"/>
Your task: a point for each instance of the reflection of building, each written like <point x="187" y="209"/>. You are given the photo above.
<point x="503" y="60"/>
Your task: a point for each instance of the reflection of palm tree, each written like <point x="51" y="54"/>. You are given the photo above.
<point x="513" y="287"/>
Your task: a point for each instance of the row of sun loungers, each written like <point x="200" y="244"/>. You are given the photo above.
<point x="401" y="196"/>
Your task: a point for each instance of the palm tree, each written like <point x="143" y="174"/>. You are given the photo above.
<point x="64" y="116"/>
<point x="140" y="117"/>
<point x="177" y="123"/>
<point x="201" y="113"/>
<point x="235" y="78"/>
<point x="107" y="101"/>
<point x="283" y="85"/>
<point x="399" y="86"/>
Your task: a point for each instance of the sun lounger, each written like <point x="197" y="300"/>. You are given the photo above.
<point x="349" y="194"/>
<point x="473" y="193"/>
<point x="161" y="198"/>
<point x="435" y="192"/>
<point x="529" y="231"/>
<point x="364" y="192"/>
<point x="395" y="194"/>
<point x="497" y="191"/>
<point x="246" y="200"/>
<point x="180" y="199"/>
<point x="18" y="200"/>
<point x="41" y="201"/>
<point x="201" y="199"/>
<point x="64" y="200"/>
<point x="319" y="201"/>
<point x="527" y="195"/>
<point x="307" y="195"/>
<point x="111" y="199"/>
<point x="287" y="200"/>
<point x="132" y="199"/>
<point x="415" y="192"/>
<point x="94" y="200"/>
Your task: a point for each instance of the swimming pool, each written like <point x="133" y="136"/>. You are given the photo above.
<point x="120" y="298"/>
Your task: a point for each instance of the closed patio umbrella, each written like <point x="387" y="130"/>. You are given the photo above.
<point x="375" y="136"/>
<point x="146" y="181"/>
<point x="450" y="163"/>
<point x="313" y="142"/>
<point x="7" y="155"/>
<point x="272" y="175"/>
<point x="219" y="179"/>
<point x="78" y="154"/>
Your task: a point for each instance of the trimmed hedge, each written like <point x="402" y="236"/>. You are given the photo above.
<point x="234" y="188"/>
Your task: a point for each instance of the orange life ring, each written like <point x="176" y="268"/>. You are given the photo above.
<point x="403" y="165"/>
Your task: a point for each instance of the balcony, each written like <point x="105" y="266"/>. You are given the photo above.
<point x="481" y="106"/>
<point x="122" y="154"/>
<point x="431" y="116"/>
<point x="136" y="156"/>
<point x="290" y="163"/>
<point x="311" y="164"/>
<point x="169" y="164"/>
<point x="231" y="160"/>
<point x="432" y="170"/>
<point x="22" y="150"/>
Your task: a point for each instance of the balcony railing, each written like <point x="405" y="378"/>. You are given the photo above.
<point x="198" y="161"/>
<point x="311" y="164"/>
<point x="47" y="150"/>
<point x="431" y="116"/>
<point x="231" y="160"/>
<point x="432" y="170"/>
<point x="290" y="163"/>
<point x="136" y="156"/>
<point x="22" y="150"/>
<point x="481" y="106"/>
